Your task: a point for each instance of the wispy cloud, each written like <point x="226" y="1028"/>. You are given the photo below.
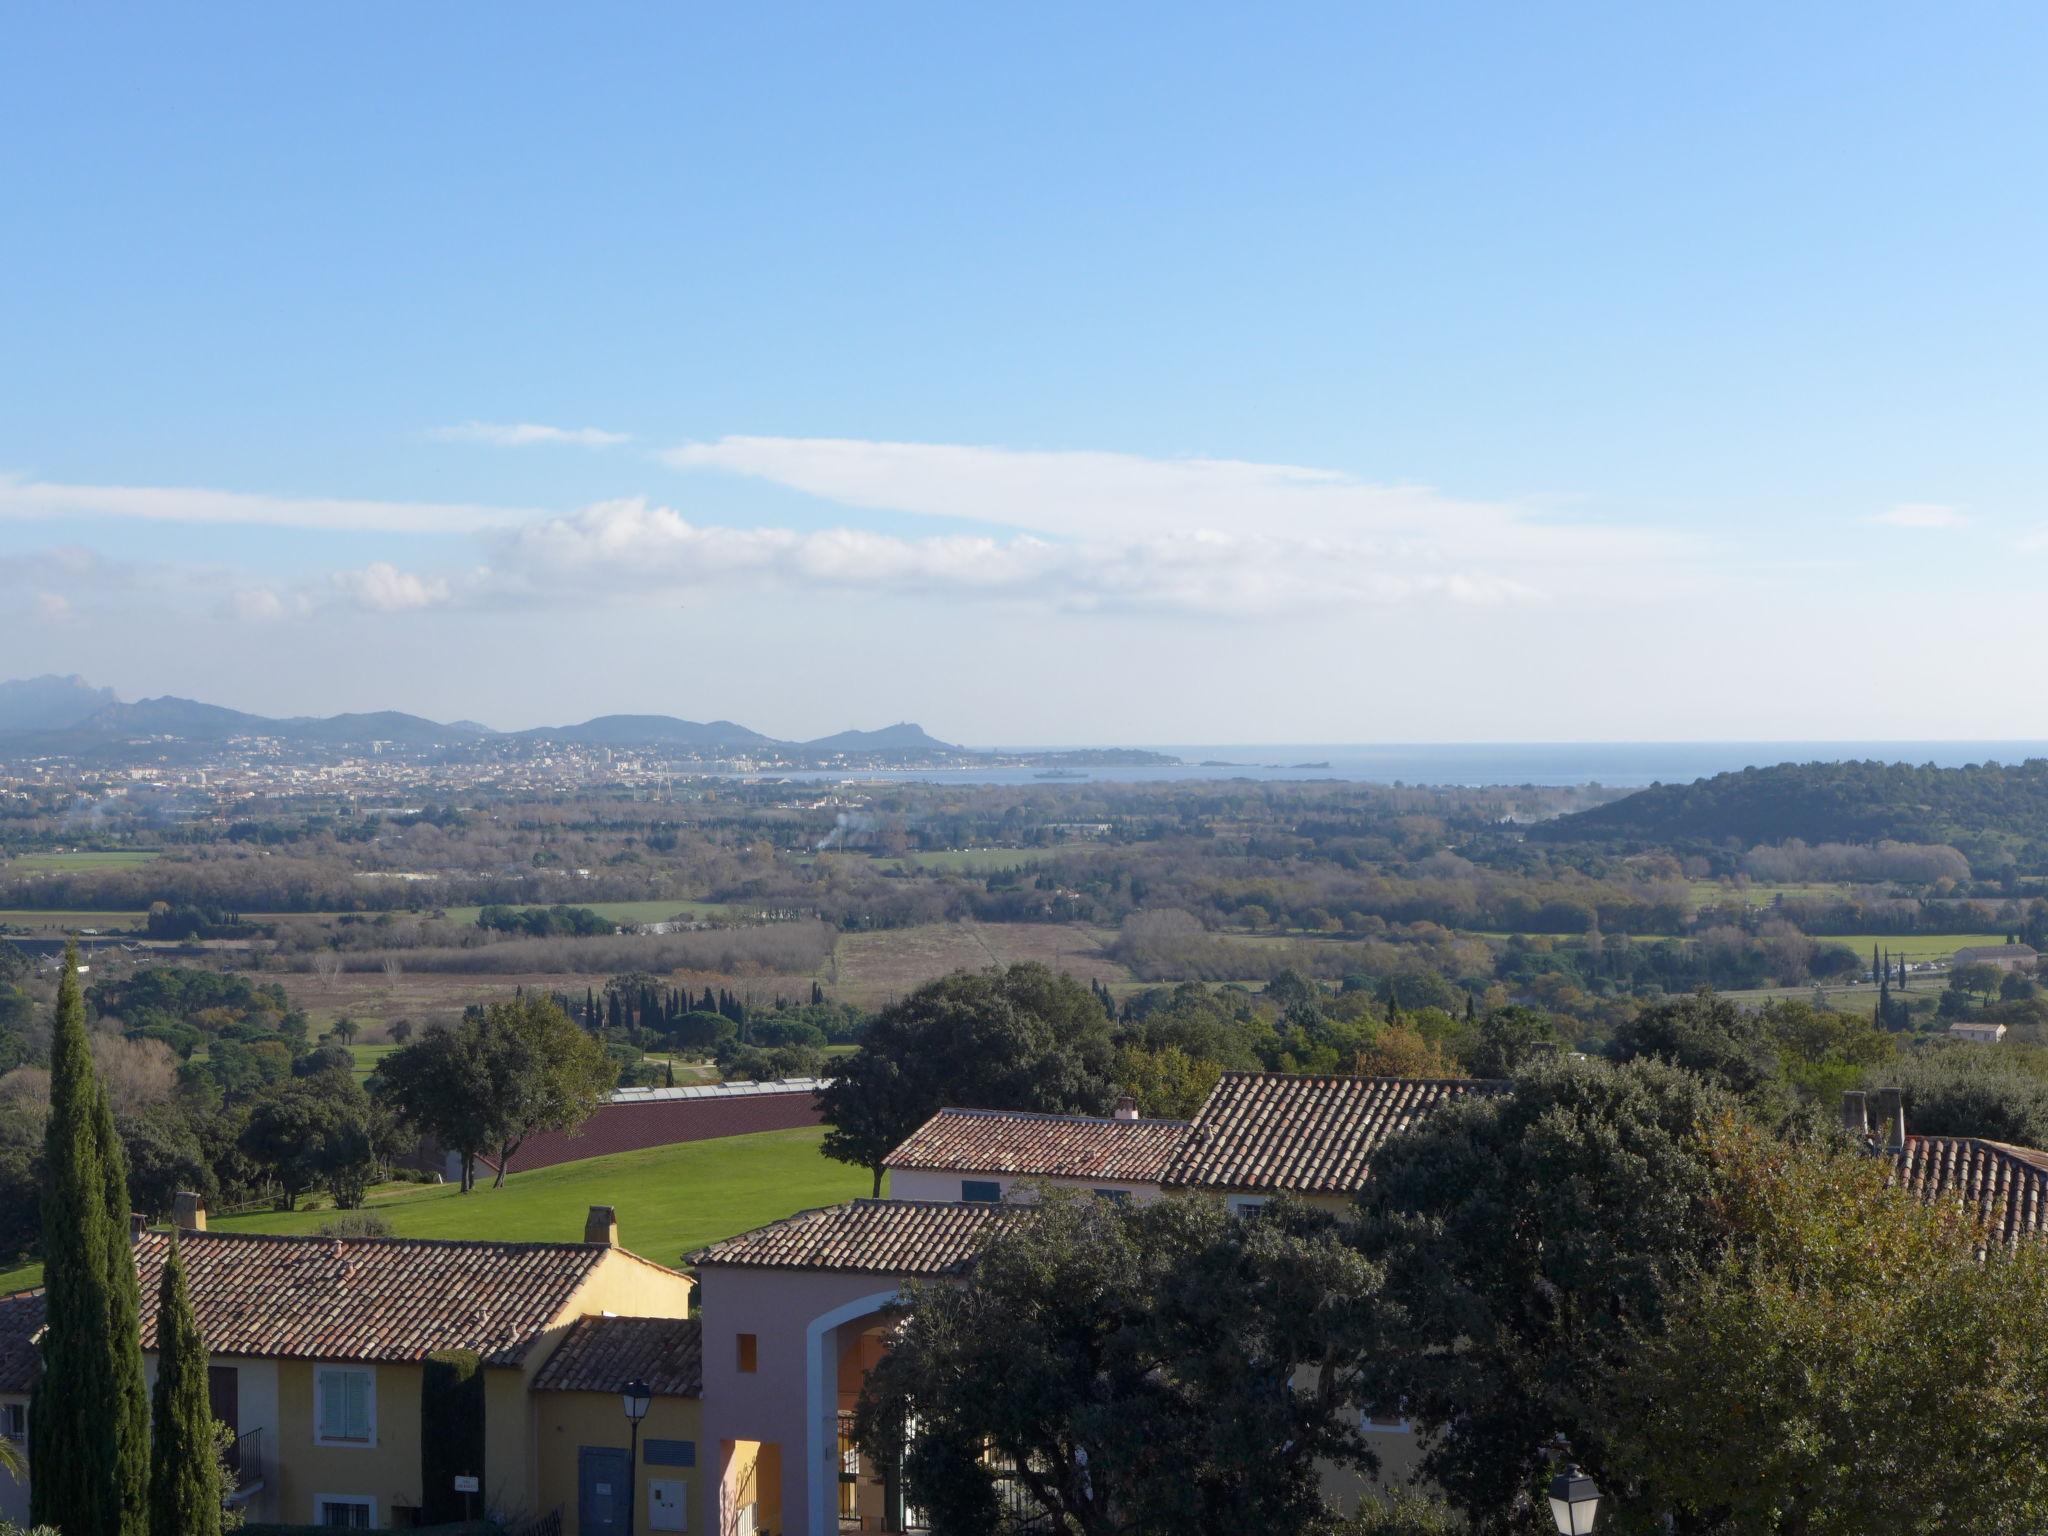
<point x="526" y="434"/>
<point x="1093" y="495"/>
<point x="26" y="499"/>
<point x="1922" y="514"/>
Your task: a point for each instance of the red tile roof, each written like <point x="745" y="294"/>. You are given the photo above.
<point x="21" y="1319"/>
<point x="2004" y="1187"/>
<point x="1268" y="1131"/>
<point x="1012" y="1142"/>
<point x="603" y="1354"/>
<point x="379" y="1298"/>
<point x="881" y="1237"/>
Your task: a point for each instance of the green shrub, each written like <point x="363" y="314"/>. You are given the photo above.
<point x="451" y="1431"/>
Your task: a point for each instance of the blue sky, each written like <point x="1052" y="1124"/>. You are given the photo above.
<point x="1141" y="373"/>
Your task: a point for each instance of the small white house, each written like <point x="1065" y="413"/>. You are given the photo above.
<point x="1983" y="1033"/>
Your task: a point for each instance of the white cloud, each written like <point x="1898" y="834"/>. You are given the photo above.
<point x="629" y="546"/>
<point x="53" y="607"/>
<point x="32" y="500"/>
<point x="254" y="605"/>
<point x="384" y="588"/>
<point x="524" y="434"/>
<point x="1922" y="514"/>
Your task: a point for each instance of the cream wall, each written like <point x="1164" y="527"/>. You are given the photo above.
<point x="387" y="1470"/>
<point x="567" y="1421"/>
<point x="933" y="1184"/>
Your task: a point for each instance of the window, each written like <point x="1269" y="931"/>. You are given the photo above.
<point x="345" y="1400"/>
<point x="981" y="1191"/>
<point x="1378" y="1422"/>
<point x="1120" y="1196"/>
<point x="345" y="1511"/>
<point x="14" y="1422"/>
<point x="1244" y="1205"/>
<point x="749" y="1352"/>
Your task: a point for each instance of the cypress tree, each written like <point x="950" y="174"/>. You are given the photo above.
<point x="89" y="1423"/>
<point x="184" y="1471"/>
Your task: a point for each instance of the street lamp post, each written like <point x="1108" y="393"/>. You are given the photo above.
<point x="1574" y="1501"/>
<point x="637" y="1395"/>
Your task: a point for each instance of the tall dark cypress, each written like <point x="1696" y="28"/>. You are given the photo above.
<point x="184" y="1472"/>
<point x="89" y="1423"/>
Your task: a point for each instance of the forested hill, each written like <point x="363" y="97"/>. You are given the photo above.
<point x="1833" y="802"/>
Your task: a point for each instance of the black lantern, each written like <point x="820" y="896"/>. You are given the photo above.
<point x="637" y="1396"/>
<point x="1574" y="1501"/>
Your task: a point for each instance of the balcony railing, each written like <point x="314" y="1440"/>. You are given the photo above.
<point x="246" y="1464"/>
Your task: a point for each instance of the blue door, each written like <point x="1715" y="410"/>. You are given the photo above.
<point x="601" y="1490"/>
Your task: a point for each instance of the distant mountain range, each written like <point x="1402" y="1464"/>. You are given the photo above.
<point x="67" y="714"/>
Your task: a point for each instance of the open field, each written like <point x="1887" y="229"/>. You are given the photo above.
<point x="117" y="859"/>
<point x="980" y="860"/>
<point x="43" y="922"/>
<point x="874" y="968"/>
<point x="616" y="911"/>
<point x="670" y="1200"/>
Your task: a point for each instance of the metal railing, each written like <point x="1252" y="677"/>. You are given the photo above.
<point x="246" y="1464"/>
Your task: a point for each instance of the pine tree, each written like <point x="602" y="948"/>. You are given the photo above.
<point x="184" y="1471"/>
<point x="89" y="1423"/>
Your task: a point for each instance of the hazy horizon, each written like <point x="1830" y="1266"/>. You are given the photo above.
<point x="1459" y="375"/>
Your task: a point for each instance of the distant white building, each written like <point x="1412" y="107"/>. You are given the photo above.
<point x="2007" y="957"/>
<point x="1982" y="1033"/>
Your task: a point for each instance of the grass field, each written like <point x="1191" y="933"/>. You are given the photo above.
<point x="367" y="1057"/>
<point x="119" y="859"/>
<point x="670" y="1200"/>
<point x="1916" y="947"/>
<point x="1707" y="893"/>
<point x="616" y="911"/>
<point x="978" y="860"/>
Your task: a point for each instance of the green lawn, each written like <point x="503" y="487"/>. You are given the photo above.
<point x="1916" y="947"/>
<point x="670" y="1200"/>
<point x="116" y="859"/>
<point x="367" y="1057"/>
<point x="616" y="911"/>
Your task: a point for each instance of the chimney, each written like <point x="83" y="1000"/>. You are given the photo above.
<point x="137" y="1225"/>
<point x="1891" y="1111"/>
<point x="189" y="1211"/>
<point x="1127" y="1108"/>
<point x="602" y="1226"/>
<point x="1856" y="1114"/>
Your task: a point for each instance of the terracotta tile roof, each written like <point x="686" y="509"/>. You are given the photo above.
<point x="603" y="1354"/>
<point x="1266" y="1131"/>
<point x="2006" y="1188"/>
<point x="881" y="1237"/>
<point x="21" y="1319"/>
<point x="1073" y="1146"/>
<point x="378" y="1298"/>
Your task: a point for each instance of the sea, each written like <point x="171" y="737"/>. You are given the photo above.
<point x="1613" y="764"/>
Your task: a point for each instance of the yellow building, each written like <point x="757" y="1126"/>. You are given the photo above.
<point x="317" y="1347"/>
